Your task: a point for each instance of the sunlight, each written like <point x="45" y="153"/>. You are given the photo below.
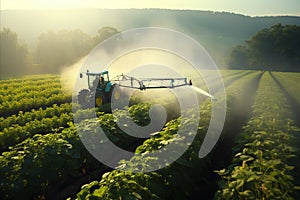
<point x="253" y="7"/>
<point x="58" y="4"/>
<point x="48" y="4"/>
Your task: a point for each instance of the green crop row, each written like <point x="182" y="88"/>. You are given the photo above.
<point x="290" y="83"/>
<point x="17" y="133"/>
<point x="184" y="174"/>
<point x="24" y="117"/>
<point x="239" y="96"/>
<point x="8" y="108"/>
<point x="260" y="167"/>
<point x="29" y="87"/>
<point x="27" y="93"/>
<point x="42" y="164"/>
<point x="152" y="185"/>
<point x="19" y="82"/>
<point x="45" y="92"/>
<point x="32" y="167"/>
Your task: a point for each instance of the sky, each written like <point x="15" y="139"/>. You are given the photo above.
<point x="246" y="7"/>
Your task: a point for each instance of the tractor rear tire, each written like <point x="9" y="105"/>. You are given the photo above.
<point x="115" y="93"/>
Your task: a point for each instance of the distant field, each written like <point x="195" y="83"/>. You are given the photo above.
<point x="257" y="156"/>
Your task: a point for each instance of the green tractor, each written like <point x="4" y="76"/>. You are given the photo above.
<point x="102" y="91"/>
<point x="99" y="92"/>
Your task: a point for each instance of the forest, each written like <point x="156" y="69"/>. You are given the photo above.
<point x="276" y="48"/>
<point x="45" y="43"/>
<point x="53" y="51"/>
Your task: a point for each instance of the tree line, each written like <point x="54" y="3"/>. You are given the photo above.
<point x="53" y="51"/>
<point x="276" y="48"/>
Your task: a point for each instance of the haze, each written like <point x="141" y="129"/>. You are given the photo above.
<point x="246" y="7"/>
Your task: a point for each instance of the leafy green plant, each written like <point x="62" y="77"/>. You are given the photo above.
<point x="260" y="168"/>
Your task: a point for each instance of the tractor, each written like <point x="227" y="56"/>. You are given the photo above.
<point x="101" y="89"/>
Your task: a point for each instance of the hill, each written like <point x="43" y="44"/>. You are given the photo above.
<point x="216" y="31"/>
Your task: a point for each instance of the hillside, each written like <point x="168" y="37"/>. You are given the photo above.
<point x="217" y="32"/>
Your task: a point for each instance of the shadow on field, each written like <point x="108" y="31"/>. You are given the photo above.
<point x="294" y="107"/>
<point x="238" y="115"/>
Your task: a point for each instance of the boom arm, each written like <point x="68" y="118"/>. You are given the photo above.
<point x="149" y="83"/>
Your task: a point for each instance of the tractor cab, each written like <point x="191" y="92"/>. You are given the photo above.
<point x="99" y="88"/>
<point x="99" y="81"/>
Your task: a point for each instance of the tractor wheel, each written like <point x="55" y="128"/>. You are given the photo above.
<point x="115" y="93"/>
<point x="100" y="99"/>
<point x="83" y="98"/>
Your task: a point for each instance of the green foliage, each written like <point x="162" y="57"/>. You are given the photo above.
<point x="186" y="172"/>
<point x="121" y="185"/>
<point x="140" y="113"/>
<point x="49" y="160"/>
<point x="22" y="118"/>
<point x="239" y="58"/>
<point x="24" y="94"/>
<point x="55" y="50"/>
<point x="260" y="168"/>
<point x="58" y="49"/>
<point x="63" y="151"/>
<point x="275" y="48"/>
<point x="17" y="133"/>
<point x="13" y="54"/>
<point x="216" y="31"/>
<point x="288" y="82"/>
<point x="104" y="33"/>
<point x="154" y="185"/>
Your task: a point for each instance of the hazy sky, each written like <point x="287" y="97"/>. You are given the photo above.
<point x="248" y="7"/>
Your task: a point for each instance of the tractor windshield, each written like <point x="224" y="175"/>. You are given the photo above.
<point x="96" y="80"/>
<point x="93" y="80"/>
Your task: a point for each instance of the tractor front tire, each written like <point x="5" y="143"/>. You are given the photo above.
<point x="100" y="99"/>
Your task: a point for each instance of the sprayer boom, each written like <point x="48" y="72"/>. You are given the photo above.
<point x="101" y="87"/>
<point x="149" y="83"/>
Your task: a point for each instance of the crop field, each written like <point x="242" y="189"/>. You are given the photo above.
<point x="256" y="157"/>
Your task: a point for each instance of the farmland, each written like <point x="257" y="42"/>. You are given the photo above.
<point x="257" y="156"/>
